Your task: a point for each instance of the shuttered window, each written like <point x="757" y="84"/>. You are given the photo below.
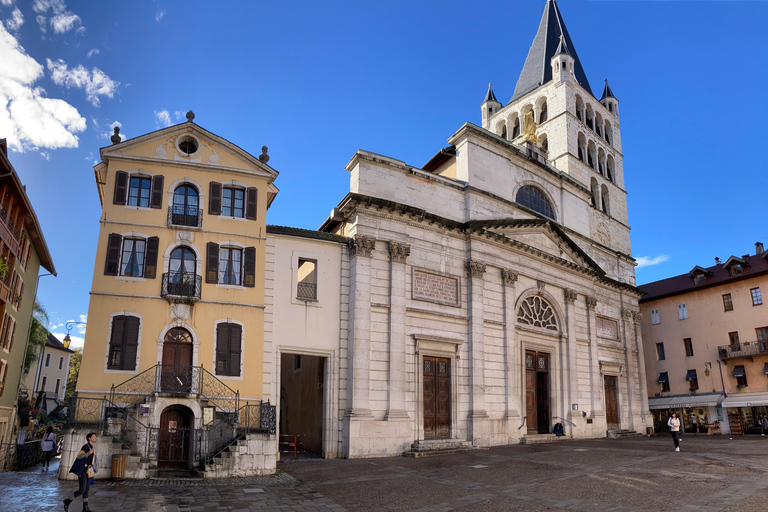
<point x="140" y="191"/>
<point x="123" y="343"/>
<point x="228" y="349"/>
<point x="3" y="374"/>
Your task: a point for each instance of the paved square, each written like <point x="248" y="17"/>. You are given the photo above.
<point x="711" y="473"/>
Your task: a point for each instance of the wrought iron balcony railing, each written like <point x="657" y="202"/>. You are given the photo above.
<point x="181" y="286"/>
<point x="741" y="350"/>
<point x="185" y="216"/>
<point x="306" y="291"/>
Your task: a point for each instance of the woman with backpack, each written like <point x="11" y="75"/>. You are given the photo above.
<point x="83" y="468"/>
<point x="48" y="445"/>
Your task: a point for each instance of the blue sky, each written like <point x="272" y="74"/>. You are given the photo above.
<point x="317" y="81"/>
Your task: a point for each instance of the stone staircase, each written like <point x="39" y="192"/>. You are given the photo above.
<point x="621" y="434"/>
<point x="248" y="455"/>
<point x="541" y="438"/>
<point x="432" y="447"/>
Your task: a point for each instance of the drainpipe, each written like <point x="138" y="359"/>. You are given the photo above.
<point x="722" y="382"/>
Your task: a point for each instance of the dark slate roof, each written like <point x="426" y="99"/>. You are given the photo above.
<point x="755" y="265"/>
<point x="53" y="342"/>
<point x="537" y="69"/>
<point x="489" y="96"/>
<point x="562" y="47"/>
<point x="607" y="92"/>
<point x="305" y="233"/>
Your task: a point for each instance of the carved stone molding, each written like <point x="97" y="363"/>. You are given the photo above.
<point x="508" y="276"/>
<point x="591" y="301"/>
<point x="541" y="285"/>
<point x="637" y="317"/>
<point x="627" y="314"/>
<point x="398" y="253"/>
<point x="569" y="296"/>
<point x="361" y="246"/>
<point x="475" y="268"/>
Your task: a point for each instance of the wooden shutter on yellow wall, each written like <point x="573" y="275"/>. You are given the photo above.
<point x="121" y="187"/>
<point x="156" y="194"/>
<point x="112" y="264"/>
<point x="212" y="263"/>
<point x="251" y="195"/>
<point x="249" y="267"/>
<point x="214" y="198"/>
<point x="150" y="264"/>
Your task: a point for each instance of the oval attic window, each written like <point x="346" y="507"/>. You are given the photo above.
<point x="188" y="145"/>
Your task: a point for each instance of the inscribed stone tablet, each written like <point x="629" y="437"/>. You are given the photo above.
<point x="607" y="328"/>
<point x="435" y="288"/>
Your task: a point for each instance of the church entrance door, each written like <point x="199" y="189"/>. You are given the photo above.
<point x="537" y="392"/>
<point x="611" y="402"/>
<point x="437" y="397"/>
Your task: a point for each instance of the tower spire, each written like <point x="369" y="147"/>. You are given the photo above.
<point x="489" y="96"/>
<point x="550" y="39"/>
<point x="607" y="92"/>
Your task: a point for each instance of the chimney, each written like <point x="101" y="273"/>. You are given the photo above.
<point x="717" y="261"/>
<point x="759" y="248"/>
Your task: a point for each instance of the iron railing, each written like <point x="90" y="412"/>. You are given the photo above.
<point x="306" y="291"/>
<point x="185" y="216"/>
<point x="181" y="285"/>
<point x="249" y="419"/>
<point x="18" y="457"/>
<point x="746" y="349"/>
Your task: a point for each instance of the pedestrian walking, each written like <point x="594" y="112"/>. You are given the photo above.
<point x="762" y="422"/>
<point x="695" y="424"/>
<point x="83" y="468"/>
<point x="674" y="428"/>
<point x="48" y="445"/>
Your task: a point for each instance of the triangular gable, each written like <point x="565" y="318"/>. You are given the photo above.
<point x="542" y="235"/>
<point x="735" y="259"/>
<point x="698" y="270"/>
<point x="215" y="150"/>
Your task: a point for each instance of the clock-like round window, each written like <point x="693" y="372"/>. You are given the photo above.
<point x="188" y="145"/>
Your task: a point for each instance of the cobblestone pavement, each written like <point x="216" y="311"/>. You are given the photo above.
<point x="641" y="474"/>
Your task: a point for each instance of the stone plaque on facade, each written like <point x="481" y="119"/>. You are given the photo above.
<point x="607" y="328"/>
<point x="435" y="288"/>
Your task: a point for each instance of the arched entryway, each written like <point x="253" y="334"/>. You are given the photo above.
<point x="174" y="447"/>
<point x="177" y="361"/>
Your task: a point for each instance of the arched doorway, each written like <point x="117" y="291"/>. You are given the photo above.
<point x="177" y="367"/>
<point x="175" y="437"/>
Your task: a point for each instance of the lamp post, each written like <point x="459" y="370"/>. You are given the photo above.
<point x="67" y="340"/>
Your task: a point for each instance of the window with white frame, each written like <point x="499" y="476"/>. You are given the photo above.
<point x="757" y="299"/>
<point x="230" y="265"/>
<point x="61" y="363"/>
<point x="306" y="288"/>
<point x="47" y="360"/>
<point x="132" y="257"/>
<point x="655" y="318"/>
<point x="682" y="311"/>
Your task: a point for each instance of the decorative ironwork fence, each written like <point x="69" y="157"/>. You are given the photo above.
<point x="306" y="291"/>
<point x="184" y="285"/>
<point x="179" y="215"/>
<point x="17" y="457"/>
<point x="745" y="349"/>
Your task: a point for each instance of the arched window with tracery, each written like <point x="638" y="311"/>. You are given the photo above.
<point x="533" y="198"/>
<point x="537" y="312"/>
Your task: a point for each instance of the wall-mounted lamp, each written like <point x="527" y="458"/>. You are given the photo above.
<point x="707" y="368"/>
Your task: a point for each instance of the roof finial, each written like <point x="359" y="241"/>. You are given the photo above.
<point x="264" y="157"/>
<point x="190" y="116"/>
<point x="116" y="138"/>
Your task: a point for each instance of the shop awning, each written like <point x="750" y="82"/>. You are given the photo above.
<point x="740" y="400"/>
<point x="663" y="377"/>
<point x="738" y="371"/>
<point x="691" y="375"/>
<point x="684" y="401"/>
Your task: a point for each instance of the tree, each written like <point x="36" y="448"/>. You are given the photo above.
<point x="37" y="334"/>
<point x="74" y="370"/>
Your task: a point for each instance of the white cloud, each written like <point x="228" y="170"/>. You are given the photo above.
<point x="91" y="158"/>
<point x="162" y="118"/>
<point x="7" y="3"/>
<point x="93" y="52"/>
<point x="95" y="82"/>
<point x="647" y="261"/>
<point x="61" y="21"/>
<point x="16" y="21"/>
<point x="108" y="135"/>
<point x="159" y="15"/>
<point x="45" y="154"/>
<point x="27" y="118"/>
<point x="179" y="115"/>
<point x="65" y="22"/>
<point x="42" y="22"/>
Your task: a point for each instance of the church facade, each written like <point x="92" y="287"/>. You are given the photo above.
<point x="485" y="297"/>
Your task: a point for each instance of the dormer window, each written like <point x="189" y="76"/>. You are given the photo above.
<point x="700" y="278"/>
<point x="736" y="269"/>
<point x="699" y="275"/>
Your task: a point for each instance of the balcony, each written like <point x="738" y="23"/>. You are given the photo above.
<point x="181" y="287"/>
<point x="306" y="291"/>
<point x="9" y="234"/>
<point x="185" y="216"/>
<point x="747" y="349"/>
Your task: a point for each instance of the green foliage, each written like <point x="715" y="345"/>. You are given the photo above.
<point x="74" y="370"/>
<point x="4" y="268"/>
<point x="37" y="335"/>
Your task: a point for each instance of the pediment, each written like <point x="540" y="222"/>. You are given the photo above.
<point x="544" y="237"/>
<point x="164" y="145"/>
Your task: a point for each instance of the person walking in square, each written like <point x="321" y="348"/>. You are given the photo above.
<point x="695" y="424"/>
<point x="762" y="422"/>
<point x="48" y="445"/>
<point x="674" y="428"/>
<point x="82" y="466"/>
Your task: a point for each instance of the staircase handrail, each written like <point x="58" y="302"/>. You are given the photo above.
<point x="234" y="396"/>
<point x="135" y="380"/>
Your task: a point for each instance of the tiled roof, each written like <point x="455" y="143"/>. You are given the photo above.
<point x="684" y="283"/>
<point x="305" y="233"/>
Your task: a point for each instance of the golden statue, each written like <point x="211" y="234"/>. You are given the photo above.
<point x="529" y="127"/>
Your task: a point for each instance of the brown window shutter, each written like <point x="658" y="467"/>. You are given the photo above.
<point x="21" y="293"/>
<point x="121" y="187"/>
<point x="212" y="263"/>
<point x="6" y="322"/>
<point x="112" y="265"/>
<point x="222" y="348"/>
<point x="214" y="198"/>
<point x="235" y="335"/>
<point x="251" y="195"/>
<point x="249" y="267"/>
<point x="2" y="374"/>
<point x="116" y="339"/>
<point x="13" y="333"/>
<point x="128" y="361"/>
<point x="156" y="194"/>
<point x="150" y="261"/>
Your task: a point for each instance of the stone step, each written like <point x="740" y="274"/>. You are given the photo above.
<point x="620" y="434"/>
<point x="440" y="444"/>
<point x="541" y="438"/>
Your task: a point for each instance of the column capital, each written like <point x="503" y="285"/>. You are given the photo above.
<point x="508" y="276"/>
<point x="627" y="313"/>
<point x="569" y="295"/>
<point x="637" y="317"/>
<point x="590" y="301"/>
<point x="474" y="268"/>
<point x="398" y="252"/>
<point x="360" y="245"/>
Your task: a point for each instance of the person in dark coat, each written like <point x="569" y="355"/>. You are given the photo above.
<point x="83" y="461"/>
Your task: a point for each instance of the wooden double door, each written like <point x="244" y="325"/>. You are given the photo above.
<point x="175" y="437"/>
<point x="537" y="392"/>
<point x="437" y="397"/>
<point x="177" y="369"/>
<point x="611" y="402"/>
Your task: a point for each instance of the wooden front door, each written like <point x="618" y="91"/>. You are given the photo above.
<point x="537" y="392"/>
<point x="177" y="367"/>
<point x="175" y="436"/>
<point x="611" y="402"/>
<point x="437" y="397"/>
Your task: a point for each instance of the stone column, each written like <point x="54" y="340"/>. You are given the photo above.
<point x="644" y="413"/>
<point x="358" y="355"/>
<point x="629" y="366"/>
<point x="571" y="373"/>
<point x="596" y="404"/>
<point x="396" y="408"/>
<point x="512" y="362"/>
<point x="477" y="412"/>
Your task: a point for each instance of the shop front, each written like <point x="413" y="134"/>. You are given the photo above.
<point x="744" y="411"/>
<point x="698" y="413"/>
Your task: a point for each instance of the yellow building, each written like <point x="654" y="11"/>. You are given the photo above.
<point x="176" y="317"/>
<point x="705" y="337"/>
